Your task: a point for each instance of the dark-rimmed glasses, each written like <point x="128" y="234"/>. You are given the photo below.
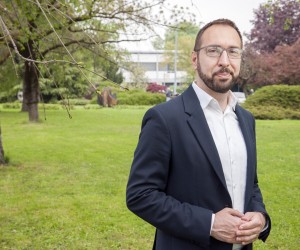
<point x="216" y="51"/>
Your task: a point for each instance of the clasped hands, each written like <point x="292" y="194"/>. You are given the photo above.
<point x="233" y="227"/>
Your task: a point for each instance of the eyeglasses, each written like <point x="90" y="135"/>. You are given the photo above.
<point x="216" y="51"/>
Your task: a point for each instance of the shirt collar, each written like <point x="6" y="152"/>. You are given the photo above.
<point x="205" y="99"/>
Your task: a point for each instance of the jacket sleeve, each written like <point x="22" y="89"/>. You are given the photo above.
<point x="257" y="200"/>
<point x="148" y="179"/>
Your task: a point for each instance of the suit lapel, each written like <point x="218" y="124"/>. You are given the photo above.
<point x="199" y="126"/>
<point x="251" y="154"/>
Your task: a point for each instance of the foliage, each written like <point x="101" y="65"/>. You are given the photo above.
<point x="43" y="32"/>
<point x="75" y="102"/>
<point x="62" y="83"/>
<point x="276" y="23"/>
<point x="279" y="66"/>
<point x="43" y="106"/>
<point x="139" y="79"/>
<point x="275" y="102"/>
<point x="154" y="88"/>
<point x="12" y="105"/>
<point x="273" y="113"/>
<point x="113" y="73"/>
<point x="66" y="195"/>
<point x="10" y="83"/>
<point x="272" y="53"/>
<point x="276" y="95"/>
<point x="186" y="33"/>
<point x="140" y="97"/>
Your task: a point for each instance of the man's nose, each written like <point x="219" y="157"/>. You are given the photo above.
<point x="224" y="59"/>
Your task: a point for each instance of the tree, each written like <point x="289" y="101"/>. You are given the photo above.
<point x="280" y="66"/>
<point x="10" y="84"/>
<point x="113" y="73"/>
<point x="186" y="33"/>
<point x="271" y="54"/>
<point x="275" y="23"/>
<point x="58" y="83"/>
<point x="40" y="32"/>
<point x="248" y="69"/>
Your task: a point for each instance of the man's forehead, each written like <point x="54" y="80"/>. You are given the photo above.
<point x="220" y="32"/>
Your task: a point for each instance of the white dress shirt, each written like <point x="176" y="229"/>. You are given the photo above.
<point x="229" y="140"/>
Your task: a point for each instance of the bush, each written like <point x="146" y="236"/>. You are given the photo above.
<point x="139" y="97"/>
<point x="156" y="88"/>
<point x="49" y="106"/>
<point x="11" y="105"/>
<point x="45" y="106"/>
<point x="276" y="95"/>
<point x="75" y="102"/>
<point x="273" y="113"/>
<point x="275" y="102"/>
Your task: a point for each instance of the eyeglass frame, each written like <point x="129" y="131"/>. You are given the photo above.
<point x="221" y="51"/>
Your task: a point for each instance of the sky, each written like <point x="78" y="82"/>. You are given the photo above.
<point x="239" y="11"/>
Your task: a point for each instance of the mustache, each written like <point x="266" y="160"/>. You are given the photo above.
<point x="224" y="70"/>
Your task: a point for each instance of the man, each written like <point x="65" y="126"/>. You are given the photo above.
<point x="193" y="176"/>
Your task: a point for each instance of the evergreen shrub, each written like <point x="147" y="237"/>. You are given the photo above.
<point x="139" y="97"/>
<point x="275" y="102"/>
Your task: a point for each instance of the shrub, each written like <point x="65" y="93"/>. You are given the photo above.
<point x="273" y="113"/>
<point x="49" y="106"/>
<point x="12" y="105"/>
<point x="79" y="102"/>
<point x="139" y="97"/>
<point x="276" y="95"/>
<point x="156" y="88"/>
<point x="275" y="102"/>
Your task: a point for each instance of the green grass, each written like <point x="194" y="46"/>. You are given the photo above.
<point x="64" y="187"/>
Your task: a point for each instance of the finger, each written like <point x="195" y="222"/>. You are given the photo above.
<point x="245" y="233"/>
<point x="248" y="216"/>
<point x="247" y="239"/>
<point x="248" y="225"/>
<point x="254" y="223"/>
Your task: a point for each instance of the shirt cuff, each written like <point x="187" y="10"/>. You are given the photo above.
<point x="212" y="222"/>
<point x="266" y="225"/>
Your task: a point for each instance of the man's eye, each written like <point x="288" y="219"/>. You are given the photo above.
<point x="233" y="52"/>
<point x="212" y="50"/>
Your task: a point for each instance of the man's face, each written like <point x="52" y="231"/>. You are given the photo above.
<point x="218" y="74"/>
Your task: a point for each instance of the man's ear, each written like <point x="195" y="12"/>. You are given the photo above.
<point x="194" y="59"/>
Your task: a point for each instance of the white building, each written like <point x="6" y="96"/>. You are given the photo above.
<point x="152" y="62"/>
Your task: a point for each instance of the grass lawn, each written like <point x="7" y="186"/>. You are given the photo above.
<point x="65" y="185"/>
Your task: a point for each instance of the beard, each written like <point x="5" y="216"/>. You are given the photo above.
<point x="219" y="86"/>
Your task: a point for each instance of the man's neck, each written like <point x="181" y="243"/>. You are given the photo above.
<point x="222" y="98"/>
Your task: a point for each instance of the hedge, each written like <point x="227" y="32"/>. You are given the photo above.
<point x="139" y="97"/>
<point x="275" y="102"/>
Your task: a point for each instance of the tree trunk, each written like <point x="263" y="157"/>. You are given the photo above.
<point x="2" y="160"/>
<point x="31" y="89"/>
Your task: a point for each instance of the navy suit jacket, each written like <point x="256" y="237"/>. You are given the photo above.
<point x="177" y="181"/>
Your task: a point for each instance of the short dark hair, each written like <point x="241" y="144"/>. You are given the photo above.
<point x="222" y="21"/>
